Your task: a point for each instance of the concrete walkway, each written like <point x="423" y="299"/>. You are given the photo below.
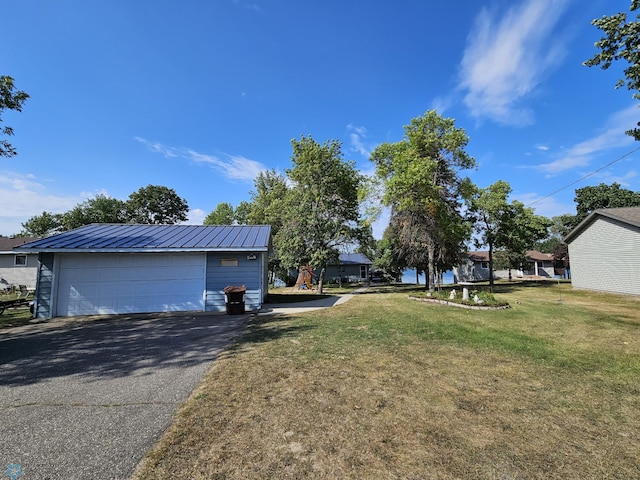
<point x="301" y="307"/>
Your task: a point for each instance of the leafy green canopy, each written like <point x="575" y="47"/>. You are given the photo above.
<point x="223" y="214"/>
<point x="149" y="205"/>
<point x="155" y="204"/>
<point x="423" y="186"/>
<point x="320" y="210"/>
<point x="592" y="198"/>
<point x="621" y="42"/>
<point x="10" y="99"/>
<point x="509" y="227"/>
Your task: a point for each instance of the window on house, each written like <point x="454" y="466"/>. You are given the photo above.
<point x="484" y="265"/>
<point x="228" y="262"/>
<point x="20" y="261"/>
<point x="363" y="271"/>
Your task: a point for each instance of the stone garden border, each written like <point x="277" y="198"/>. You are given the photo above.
<point x="460" y="305"/>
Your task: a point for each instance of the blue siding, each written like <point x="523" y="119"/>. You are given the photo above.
<point x="44" y="286"/>
<point x="264" y="259"/>
<point x="248" y="273"/>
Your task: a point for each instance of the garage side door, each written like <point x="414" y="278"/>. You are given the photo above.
<point x="93" y="283"/>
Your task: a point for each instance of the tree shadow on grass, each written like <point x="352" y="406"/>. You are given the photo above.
<point x="263" y="329"/>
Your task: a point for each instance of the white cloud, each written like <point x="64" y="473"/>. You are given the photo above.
<point x="626" y="180"/>
<point x="357" y="135"/>
<point x="442" y="103"/>
<point x="234" y="167"/>
<point x="506" y="58"/>
<point x="581" y="154"/>
<point x="159" y="148"/>
<point x="24" y="195"/>
<point x="195" y="216"/>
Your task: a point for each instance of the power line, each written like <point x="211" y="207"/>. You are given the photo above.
<point x="586" y="176"/>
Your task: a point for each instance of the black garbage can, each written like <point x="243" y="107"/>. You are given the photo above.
<point x="235" y="299"/>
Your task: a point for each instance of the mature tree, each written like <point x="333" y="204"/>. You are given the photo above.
<point x="560" y="227"/>
<point x="269" y="207"/>
<point x="527" y="229"/>
<point x="155" y="204"/>
<point x="414" y="230"/>
<point x="241" y="213"/>
<point x="150" y="204"/>
<point x="491" y="214"/>
<point x="423" y="185"/>
<point x="387" y="258"/>
<point x="621" y="42"/>
<point x="101" y="209"/>
<point x="410" y="232"/>
<point x="221" y="215"/>
<point x="321" y="207"/>
<point x="10" y="99"/>
<point x="592" y="198"/>
<point x="42" y="225"/>
<point x="268" y="200"/>
<point x="508" y="226"/>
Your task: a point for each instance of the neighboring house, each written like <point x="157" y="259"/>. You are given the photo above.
<point x="351" y="267"/>
<point x="476" y="268"/>
<point x="113" y="268"/>
<point x="17" y="268"/>
<point x="538" y="265"/>
<point x="605" y="251"/>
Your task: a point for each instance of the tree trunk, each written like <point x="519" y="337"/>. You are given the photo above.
<point x="431" y="268"/>
<point x="321" y="280"/>
<point x="491" y="267"/>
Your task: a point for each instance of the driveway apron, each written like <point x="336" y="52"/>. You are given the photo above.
<point x="86" y="398"/>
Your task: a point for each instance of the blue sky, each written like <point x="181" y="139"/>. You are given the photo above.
<point x="199" y="96"/>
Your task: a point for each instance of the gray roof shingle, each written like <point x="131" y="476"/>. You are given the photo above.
<point x="627" y="215"/>
<point x="7" y="244"/>
<point x="106" y="237"/>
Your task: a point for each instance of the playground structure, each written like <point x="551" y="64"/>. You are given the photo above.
<point x="305" y="278"/>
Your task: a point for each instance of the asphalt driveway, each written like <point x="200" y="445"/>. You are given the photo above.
<point x="86" y="398"/>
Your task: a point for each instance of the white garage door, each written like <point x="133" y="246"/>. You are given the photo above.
<point x="130" y="283"/>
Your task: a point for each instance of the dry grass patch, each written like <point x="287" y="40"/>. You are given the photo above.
<point x="381" y="387"/>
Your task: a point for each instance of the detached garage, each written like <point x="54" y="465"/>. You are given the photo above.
<point x="112" y="269"/>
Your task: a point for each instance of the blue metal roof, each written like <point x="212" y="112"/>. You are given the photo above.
<point x="354" y="259"/>
<point x="107" y="237"/>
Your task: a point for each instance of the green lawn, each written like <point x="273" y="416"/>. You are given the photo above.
<point x="13" y="317"/>
<point x="386" y="387"/>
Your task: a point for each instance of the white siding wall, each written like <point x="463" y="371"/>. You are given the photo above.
<point x="21" y="275"/>
<point x="606" y="257"/>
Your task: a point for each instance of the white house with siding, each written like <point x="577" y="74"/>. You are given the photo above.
<point x="605" y="251"/>
<point x="17" y="268"/>
<point x="115" y="268"/>
<point x="476" y="267"/>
